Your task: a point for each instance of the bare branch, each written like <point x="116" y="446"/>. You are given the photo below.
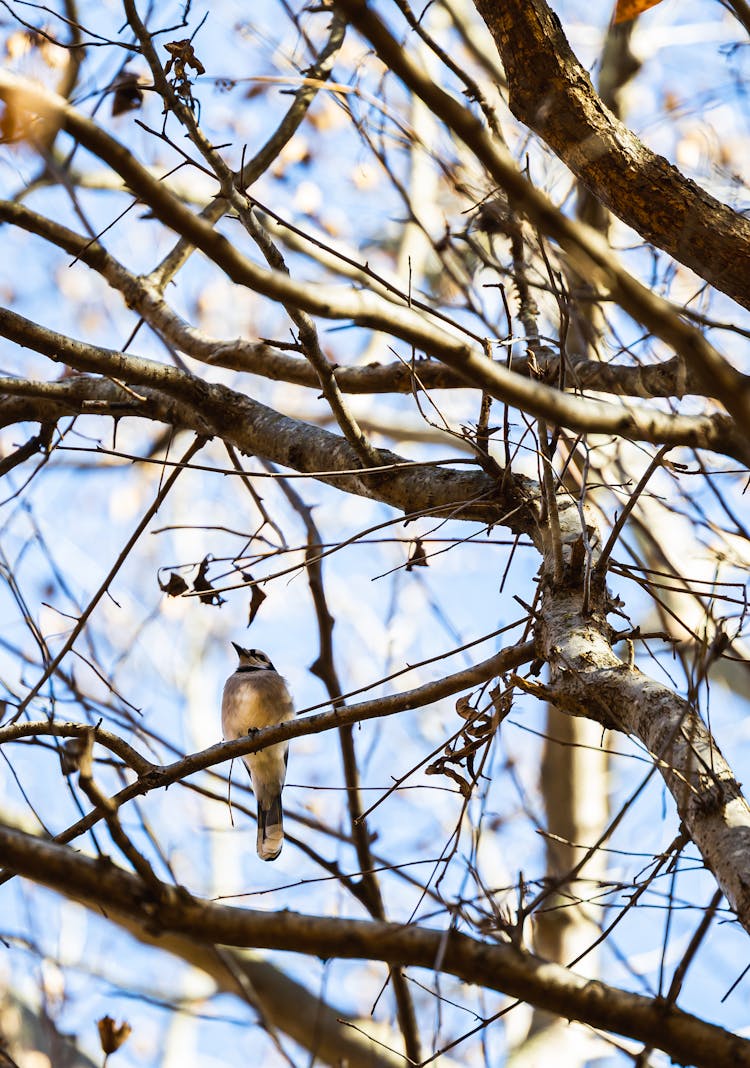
<point x="685" y="1038"/>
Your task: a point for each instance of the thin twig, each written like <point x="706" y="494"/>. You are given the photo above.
<point x="601" y="564"/>
<point x="197" y="444"/>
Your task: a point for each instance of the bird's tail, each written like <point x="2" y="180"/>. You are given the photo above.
<point x="270" y="829"/>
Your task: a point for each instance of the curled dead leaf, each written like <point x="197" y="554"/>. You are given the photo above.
<point x="112" y="1035"/>
<point x="175" y="586"/>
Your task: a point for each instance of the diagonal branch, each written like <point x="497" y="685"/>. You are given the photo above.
<point x="153" y="777"/>
<point x="502" y="967"/>
<point x="151" y="511"/>
<point x="589" y="679"/>
<point x="370" y="310"/>
<point x="663" y="379"/>
<point x="592" y="256"/>
<point x="550" y="92"/>
<point x="717" y="432"/>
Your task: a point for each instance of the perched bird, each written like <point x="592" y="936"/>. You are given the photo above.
<point x="256" y="696"/>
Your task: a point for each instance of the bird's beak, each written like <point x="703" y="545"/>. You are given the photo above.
<point x="238" y="649"/>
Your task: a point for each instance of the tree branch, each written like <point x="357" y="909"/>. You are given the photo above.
<point x="505" y="968"/>
<point x="668" y="378"/>
<point x="550" y="92"/>
<point x="716" y="432"/>
<point x="588" y="679"/>
<point x="253" y="428"/>
<point x="591" y="255"/>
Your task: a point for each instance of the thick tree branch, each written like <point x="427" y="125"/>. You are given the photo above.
<point x="666" y="379"/>
<point x="552" y="94"/>
<point x="257" y="430"/>
<point x="717" y="432"/>
<point x="505" y="968"/>
<point x="589" y="679"/>
<point x="316" y="1025"/>
<point x="370" y="310"/>
<point x="591" y="255"/>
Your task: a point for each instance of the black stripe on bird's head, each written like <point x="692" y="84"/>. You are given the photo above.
<point x="252" y="659"/>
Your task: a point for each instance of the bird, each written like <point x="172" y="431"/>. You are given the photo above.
<point x="256" y="696"/>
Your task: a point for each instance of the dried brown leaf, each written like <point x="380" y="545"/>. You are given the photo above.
<point x="625" y="10"/>
<point x="417" y="557"/>
<point x="439" y="768"/>
<point x="175" y="586"/>
<point x="464" y="708"/>
<point x="112" y="1035"/>
<point x="257" y="597"/>
<point x="127" y="94"/>
<point x="202" y="586"/>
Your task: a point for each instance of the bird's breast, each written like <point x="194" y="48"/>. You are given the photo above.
<point x="260" y="700"/>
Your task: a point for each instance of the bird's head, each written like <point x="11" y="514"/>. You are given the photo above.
<point x="253" y="659"/>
